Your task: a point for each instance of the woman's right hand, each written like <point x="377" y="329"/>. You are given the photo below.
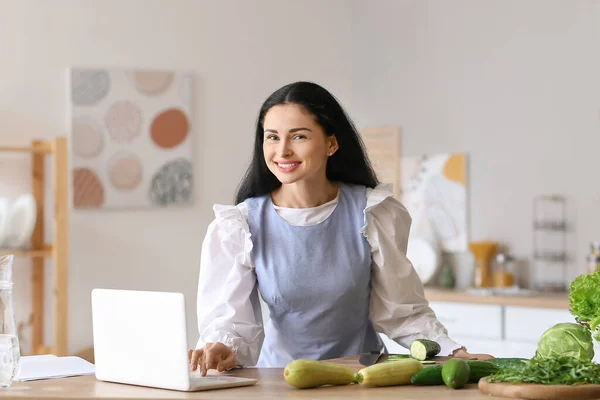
<point x="211" y="356"/>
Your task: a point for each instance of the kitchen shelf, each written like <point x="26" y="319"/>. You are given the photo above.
<point x="45" y="251"/>
<point x="39" y="251"/>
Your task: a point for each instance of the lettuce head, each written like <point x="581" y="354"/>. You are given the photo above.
<point x="584" y="300"/>
<point x="566" y="339"/>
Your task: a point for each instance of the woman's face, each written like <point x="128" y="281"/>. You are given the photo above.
<point x="295" y="146"/>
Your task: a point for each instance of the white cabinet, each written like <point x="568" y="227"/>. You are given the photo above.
<point x="477" y="321"/>
<point x="502" y="331"/>
<point x="526" y="324"/>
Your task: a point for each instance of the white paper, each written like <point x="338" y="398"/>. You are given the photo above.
<point x="50" y="366"/>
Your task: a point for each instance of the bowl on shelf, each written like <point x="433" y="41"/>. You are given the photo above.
<point x="21" y="217"/>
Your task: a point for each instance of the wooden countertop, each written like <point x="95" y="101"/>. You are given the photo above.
<point x="271" y="385"/>
<point x="543" y="300"/>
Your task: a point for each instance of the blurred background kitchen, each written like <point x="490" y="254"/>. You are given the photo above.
<point x="484" y="115"/>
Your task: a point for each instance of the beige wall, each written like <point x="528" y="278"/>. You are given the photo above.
<point x="239" y="51"/>
<point x="513" y="83"/>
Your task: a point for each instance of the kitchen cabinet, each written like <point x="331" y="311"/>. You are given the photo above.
<point x="499" y="330"/>
<point x="465" y="320"/>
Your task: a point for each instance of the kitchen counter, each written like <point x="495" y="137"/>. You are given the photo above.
<point x="543" y="300"/>
<point x="271" y="385"/>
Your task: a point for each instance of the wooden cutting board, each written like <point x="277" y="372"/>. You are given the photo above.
<point x="541" y="392"/>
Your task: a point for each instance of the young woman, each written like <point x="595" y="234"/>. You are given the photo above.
<point x="319" y="239"/>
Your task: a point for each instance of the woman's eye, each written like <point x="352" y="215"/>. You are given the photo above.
<point x="272" y="137"/>
<point x="300" y="137"/>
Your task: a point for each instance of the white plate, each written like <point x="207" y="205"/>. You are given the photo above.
<point x="21" y="221"/>
<point x="4" y="209"/>
<point x="424" y="256"/>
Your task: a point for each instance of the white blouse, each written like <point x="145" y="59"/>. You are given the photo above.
<point x="228" y="308"/>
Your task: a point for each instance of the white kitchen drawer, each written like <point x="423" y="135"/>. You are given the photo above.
<point x="479" y="321"/>
<point x="527" y="323"/>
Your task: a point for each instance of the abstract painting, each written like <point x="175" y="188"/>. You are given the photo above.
<point x="434" y="191"/>
<point x="383" y="148"/>
<point x="131" y="138"/>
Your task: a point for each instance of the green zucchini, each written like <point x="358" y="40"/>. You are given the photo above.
<point x="455" y="373"/>
<point x="506" y="362"/>
<point x="304" y="374"/>
<point x="422" y="349"/>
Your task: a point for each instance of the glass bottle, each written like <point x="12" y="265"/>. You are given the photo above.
<point x="504" y="271"/>
<point x="9" y="342"/>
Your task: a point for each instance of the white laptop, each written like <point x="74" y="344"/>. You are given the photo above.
<point x="140" y="338"/>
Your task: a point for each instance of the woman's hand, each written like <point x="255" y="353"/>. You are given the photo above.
<point x="211" y="356"/>
<point x="462" y="353"/>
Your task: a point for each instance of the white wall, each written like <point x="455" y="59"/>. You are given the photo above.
<point x="513" y="83"/>
<point x="239" y="51"/>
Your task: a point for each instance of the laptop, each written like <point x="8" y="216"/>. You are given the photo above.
<point x="140" y="338"/>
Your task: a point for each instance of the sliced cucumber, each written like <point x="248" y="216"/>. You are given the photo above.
<point x="422" y="349"/>
<point x="398" y="356"/>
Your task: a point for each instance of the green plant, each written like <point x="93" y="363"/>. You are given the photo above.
<point x="584" y="300"/>
<point x="550" y="371"/>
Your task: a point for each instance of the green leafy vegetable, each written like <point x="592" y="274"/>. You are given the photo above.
<point x="566" y="339"/>
<point x="584" y="300"/>
<point x="550" y="371"/>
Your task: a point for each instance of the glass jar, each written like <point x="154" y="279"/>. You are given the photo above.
<point x="593" y="261"/>
<point x="504" y="274"/>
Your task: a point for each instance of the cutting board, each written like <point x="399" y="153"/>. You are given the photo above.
<point x="542" y="392"/>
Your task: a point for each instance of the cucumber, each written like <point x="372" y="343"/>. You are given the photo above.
<point x="455" y="373"/>
<point x="389" y="374"/>
<point x="428" y="376"/>
<point x="304" y="374"/>
<point x="480" y="369"/>
<point x="422" y="362"/>
<point x="422" y="349"/>
<point x="506" y="362"/>
<point x="398" y="356"/>
<point x="433" y="375"/>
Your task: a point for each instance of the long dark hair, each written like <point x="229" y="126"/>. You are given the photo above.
<point x="349" y="164"/>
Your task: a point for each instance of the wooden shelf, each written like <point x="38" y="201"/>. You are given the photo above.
<point x="41" y="253"/>
<point x="26" y="149"/>
<point x="57" y="149"/>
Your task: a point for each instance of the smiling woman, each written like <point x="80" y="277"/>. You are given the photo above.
<point x="296" y="150"/>
<point x="323" y="243"/>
